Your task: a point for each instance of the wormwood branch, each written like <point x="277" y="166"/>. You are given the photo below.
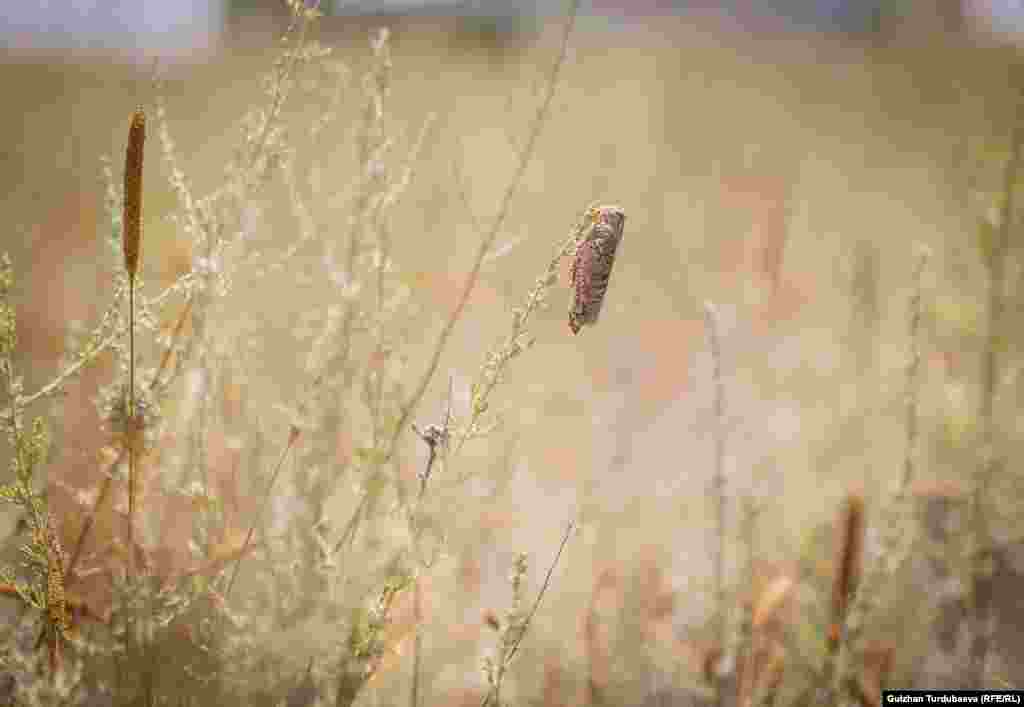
<point x="56" y="385"/>
<point x="44" y="553"/>
<point x="910" y="395"/>
<point x="510" y="641"/>
<point x="488" y="239"/>
<point x="995" y="263"/>
<point x="517" y="340"/>
<point x="371" y="145"/>
<point x="286" y="68"/>
<point x="897" y="538"/>
<point x="98" y="342"/>
<point x="979" y="599"/>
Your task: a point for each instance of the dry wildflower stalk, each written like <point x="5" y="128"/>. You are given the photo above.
<point x="293" y="436"/>
<point x="132" y="240"/>
<point x="995" y="250"/>
<point x="718" y="482"/>
<point x="895" y="546"/>
<point x="487" y="240"/>
<point x="592" y="265"/>
<point x="910" y="373"/>
<point x="519" y="339"/>
<point x="514" y="630"/>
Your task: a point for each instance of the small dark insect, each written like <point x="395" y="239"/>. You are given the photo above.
<point x="592" y="265"/>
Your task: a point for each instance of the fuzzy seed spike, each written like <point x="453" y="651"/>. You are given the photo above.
<point x="132" y="220"/>
<point x="848" y="563"/>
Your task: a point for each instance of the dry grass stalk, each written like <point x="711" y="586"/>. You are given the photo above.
<point x="995" y="254"/>
<point x="131" y="241"/>
<point x="711" y="320"/>
<point x="133" y="193"/>
<point x="293" y="436"/>
<point x="911" y="372"/>
<point x="897" y="537"/>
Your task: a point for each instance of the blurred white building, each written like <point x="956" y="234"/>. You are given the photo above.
<point x="141" y="30"/>
<point x="1003" y="18"/>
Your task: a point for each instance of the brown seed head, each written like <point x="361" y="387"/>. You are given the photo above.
<point x="55" y="563"/>
<point x="848" y="562"/>
<point x="132" y="221"/>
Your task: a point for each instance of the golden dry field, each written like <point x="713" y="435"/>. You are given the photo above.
<point x="791" y="180"/>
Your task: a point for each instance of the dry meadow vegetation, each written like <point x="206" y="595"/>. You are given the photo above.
<point x="294" y="415"/>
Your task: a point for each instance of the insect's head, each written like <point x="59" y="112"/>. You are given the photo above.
<point x="612" y="216"/>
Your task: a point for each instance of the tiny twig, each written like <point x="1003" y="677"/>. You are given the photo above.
<point x="544" y="587"/>
<point x="417" y="657"/>
<point x="293" y="436"/>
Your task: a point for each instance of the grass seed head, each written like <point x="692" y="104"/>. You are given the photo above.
<point x="848" y="561"/>
<point x="133" y="192"/>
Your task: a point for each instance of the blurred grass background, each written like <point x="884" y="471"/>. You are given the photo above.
<point x="840" y="152"/>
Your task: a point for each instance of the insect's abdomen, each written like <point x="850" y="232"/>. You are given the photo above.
<point x="592" y="266"/>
